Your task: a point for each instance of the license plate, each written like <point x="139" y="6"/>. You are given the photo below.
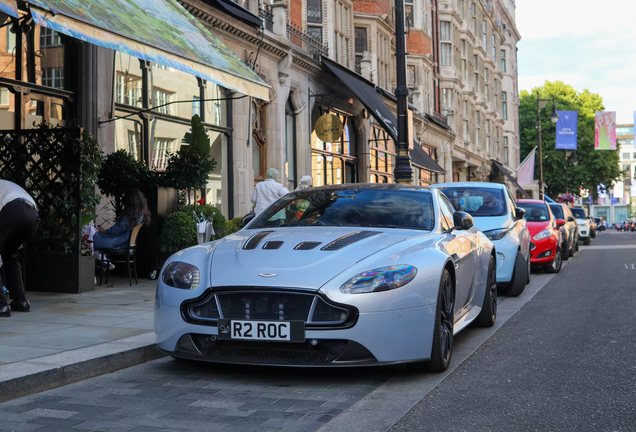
<point x="282" y="331"/>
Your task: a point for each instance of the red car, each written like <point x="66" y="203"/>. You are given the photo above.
<point x="546" y="238"/>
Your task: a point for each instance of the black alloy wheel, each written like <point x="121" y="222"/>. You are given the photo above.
<point x="442" y="349"/>
<point x="556" y="265"/>
<point x="488" y="314"/>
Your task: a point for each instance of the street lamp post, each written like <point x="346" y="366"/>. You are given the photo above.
<point x="403" y="172"/>
<point x="554" y="117"/>
<point x="575" y="161"/>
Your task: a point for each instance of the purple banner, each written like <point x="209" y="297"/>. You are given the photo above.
<point x="566" y="130"/>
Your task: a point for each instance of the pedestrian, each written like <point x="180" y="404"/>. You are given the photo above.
<point x="19" y="221"/>
<point x="305" y="182"/>
<point x="268" y="191"/>
<point x="117" y="236"/>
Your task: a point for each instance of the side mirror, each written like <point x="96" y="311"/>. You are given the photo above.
<point x="520" y="213"/>
<point x="560" y="222"/>
<point x="462" y="220"/>
<point x="571" y="219"/>
<point x="247" y="219"/>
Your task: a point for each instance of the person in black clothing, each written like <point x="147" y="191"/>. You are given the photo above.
<point x="18" y="223"/>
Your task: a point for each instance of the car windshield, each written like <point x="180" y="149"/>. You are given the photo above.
<point x="557" y="211"/>
<point x="535" y="212"/>
<point x="579" y="213"/>
<point x="360" y="207"/>
<point x="477" y="201"/>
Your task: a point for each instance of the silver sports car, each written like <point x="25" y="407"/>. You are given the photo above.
<point x="358" y="274"/>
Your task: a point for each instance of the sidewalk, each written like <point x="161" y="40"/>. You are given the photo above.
<point x="70" y="337"/>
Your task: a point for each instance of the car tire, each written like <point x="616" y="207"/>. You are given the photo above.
<point x="576" y="249"/>
<point x="573" y="247"/>
<point x="556" y="265"/>
<point x="566" y="252"/>
<point x="442" y="348"/>
<point x="529" y="269"/>
<point x="518" y="282"/>
<point x="587" y="241"/>
<point x="593" y="234"/>
<point x="488" y="314"/>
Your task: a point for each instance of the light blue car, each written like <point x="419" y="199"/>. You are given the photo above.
<point x="495" y="213"/>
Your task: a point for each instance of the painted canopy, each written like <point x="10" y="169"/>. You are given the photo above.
<point x="161" y="31"/>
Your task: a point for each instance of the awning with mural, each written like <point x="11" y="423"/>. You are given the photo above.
<point x="365" y="92"/>
<point x="512" y="180"/>
<point x="160" y="31"/>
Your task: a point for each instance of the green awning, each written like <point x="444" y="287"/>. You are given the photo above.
<point x="160" y="31"/>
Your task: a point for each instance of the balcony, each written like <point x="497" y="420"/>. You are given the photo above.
<point x="265" y="13"/>
<point x="310" y="44"/>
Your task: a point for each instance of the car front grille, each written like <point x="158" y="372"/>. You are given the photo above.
<point x="267" y="305"/>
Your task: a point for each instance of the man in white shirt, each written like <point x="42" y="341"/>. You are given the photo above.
<point x="268" y="191"/>
<point x="18" y="222"/>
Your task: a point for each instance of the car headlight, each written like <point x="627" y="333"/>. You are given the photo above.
<point x="496" y="234"/>
<point x="542" y="235"/>
<point x="380" y="279"/>
<point x="181" y="275"/>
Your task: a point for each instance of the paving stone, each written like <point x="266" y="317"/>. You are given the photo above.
<point x="52" y="413"/>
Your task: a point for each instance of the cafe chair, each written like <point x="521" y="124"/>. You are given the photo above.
<point x="129" y="253"/>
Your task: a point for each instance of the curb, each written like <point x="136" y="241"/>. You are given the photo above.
<point x="45" y="373"/>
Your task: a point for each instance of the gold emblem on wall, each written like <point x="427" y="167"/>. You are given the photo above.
<point x="329" y="128"/>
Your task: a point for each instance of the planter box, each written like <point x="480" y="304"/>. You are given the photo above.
<point x="58" y="272"/>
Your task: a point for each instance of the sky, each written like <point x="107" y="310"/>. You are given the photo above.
<point x="586" y="44"/>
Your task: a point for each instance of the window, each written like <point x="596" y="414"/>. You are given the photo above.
<point x="634" y="156"/>
<point x="159" y="158"/>
<point x="627" y="170"/>
<point x="48" y="38"/>
<point x="476" y="81"/>
<point x="464" y="70"/>
<point x="463" y="43"/>
<point x="494" y="47"/>
<point x="53" y="77"/>
<point x="314" y="11"/>
<point x="505" y="150"/>
<point x="314" y="16"/>
<point x="465" y="130"/>
<point x="342" y="33"/>
<point x="4" y="96"/>
<point x="133" y="144"/>
<point x="446" y="54"/>
<point x="383" y="61"/>
<point x="444" y="30"/>
<point x="477" y="201"/>
<point x="625" y="130"/>
<point x="477" y="129"/>
<point x="196" y="105"/>
<point x="504" y="105"/>
<point x="334" y="163"/>
<point x="408" y="12"/>
<point x="161" y="99"/>
<point x="626" y="155"/>
<point x="10" y="40"/>
<point x="447" y="98"/>
<point x="410" y="75"/>
<point x="360" y="45"/>
<point x="485" y="29"/>
<point x="503" y="60"/>
<point x="383" y="156"/>
<point x="244" y="3"/>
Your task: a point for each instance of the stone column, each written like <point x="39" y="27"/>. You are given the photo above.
<point x="279" y="11"/>
<point x="365" y="65"/>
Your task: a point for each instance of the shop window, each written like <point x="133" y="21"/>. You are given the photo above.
<point x="335" y="162"/>
<point x="383" y="154"/>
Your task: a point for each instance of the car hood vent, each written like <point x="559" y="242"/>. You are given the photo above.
<point x="348" y="239"/>
<point x="272" y="244"/>
<point x="253" y="241"/>
<point x="307" y="245"/>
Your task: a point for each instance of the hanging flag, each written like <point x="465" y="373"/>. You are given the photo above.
<point x="605" y="131"/>
<point x="525" y="172"/>
<point x="566" y="130"/>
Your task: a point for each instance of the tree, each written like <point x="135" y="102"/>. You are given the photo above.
<point x="594" y="167"/>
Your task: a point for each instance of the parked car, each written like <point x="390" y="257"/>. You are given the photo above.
<point x="570" y="230"/>
<point x="546" y="249"/>
<point x="622" y="226"/>
<point x="593" y="226"/>
<point x="495" y="212"/>
<point x="599" y="224"/>
<point x="585" y="229"/>
<point x="358" y="274"/>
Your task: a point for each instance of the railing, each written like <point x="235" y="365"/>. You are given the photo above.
<point x="265" y="12"/>
<point x="308" y="43"/>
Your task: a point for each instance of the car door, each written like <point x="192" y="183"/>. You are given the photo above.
<point x="519" y="226"/>
<point x="461" y="246"/>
